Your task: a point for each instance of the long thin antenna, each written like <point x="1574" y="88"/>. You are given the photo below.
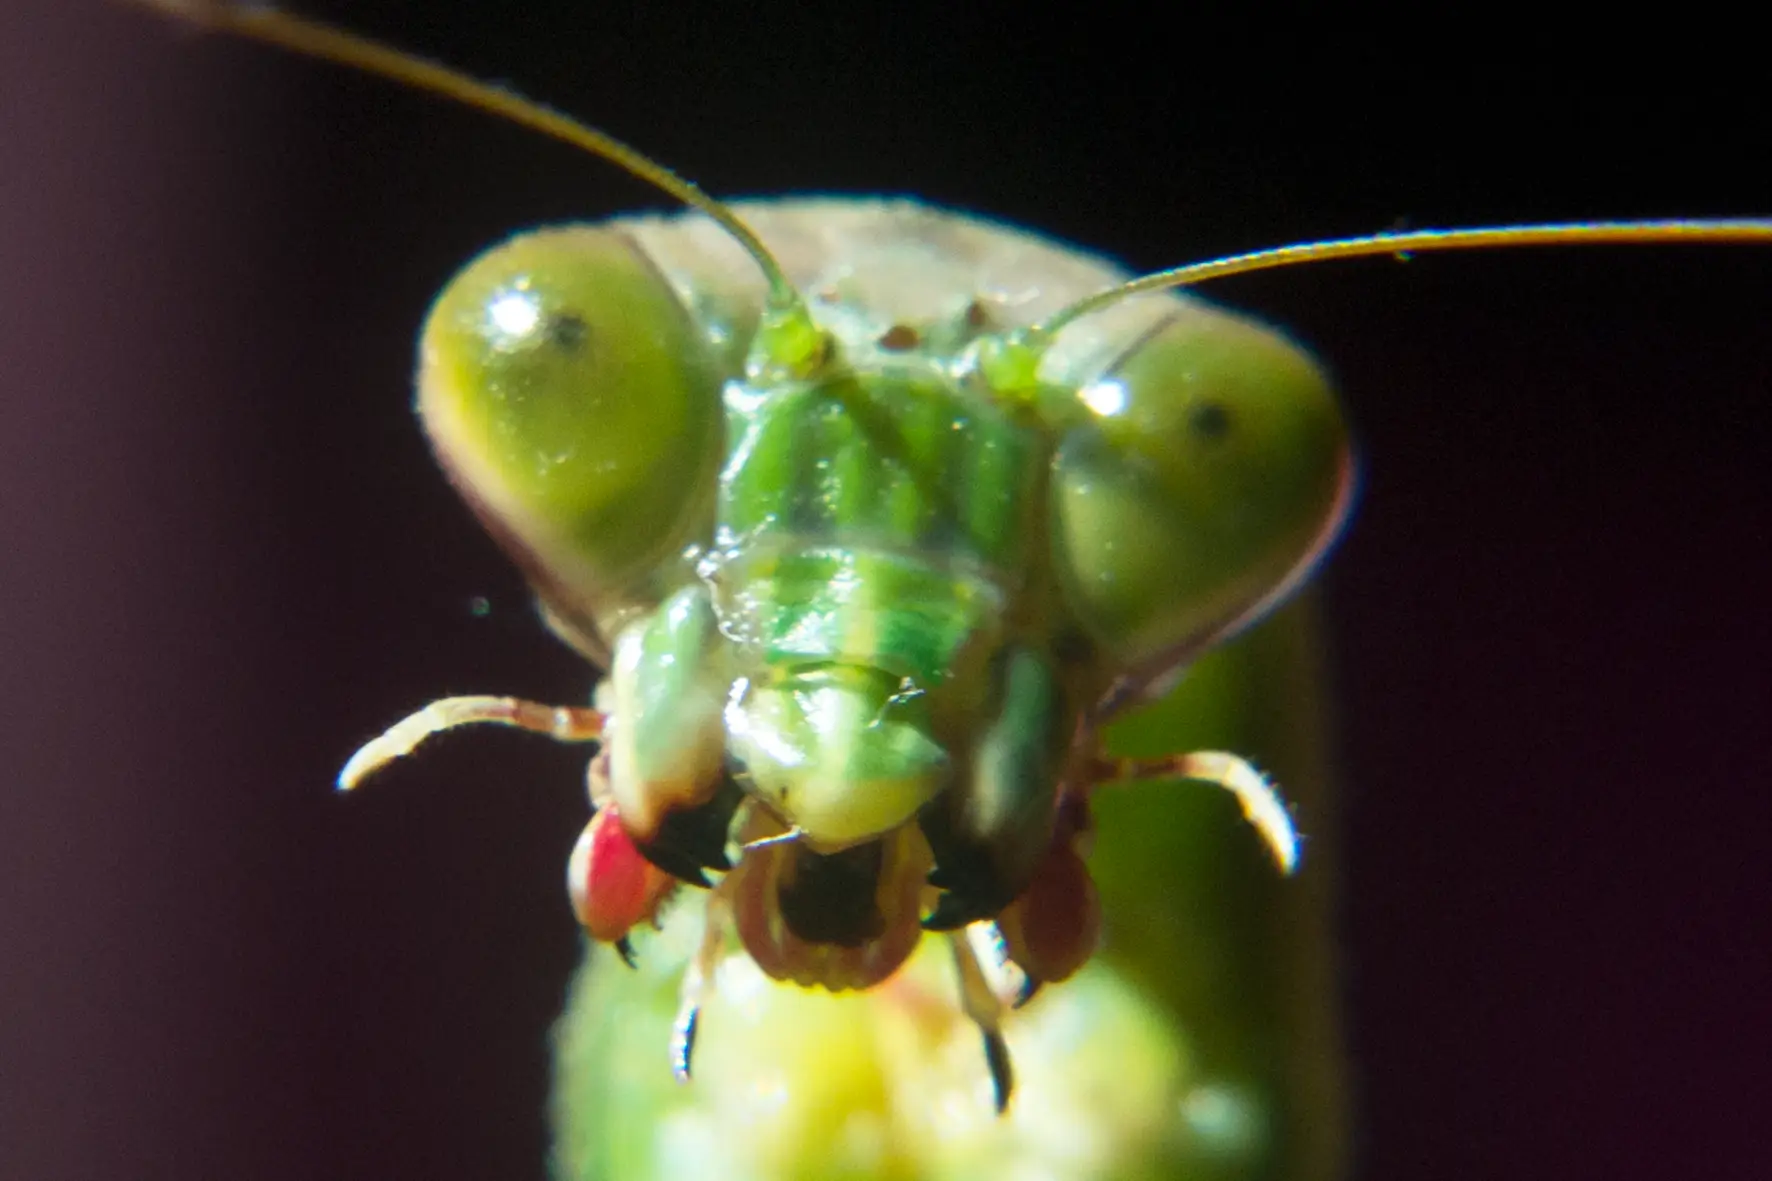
<point x="1404" y="243"/>
<point x="312" y="39"/>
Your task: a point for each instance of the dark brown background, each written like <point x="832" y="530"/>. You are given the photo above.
<point x="227" y="559"/>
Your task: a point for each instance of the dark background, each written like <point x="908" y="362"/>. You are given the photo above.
<point x="227" y="558"/>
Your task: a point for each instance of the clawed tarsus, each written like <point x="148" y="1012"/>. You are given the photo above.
<point x="986" y="1008"/>
<point x="698" y="978"/>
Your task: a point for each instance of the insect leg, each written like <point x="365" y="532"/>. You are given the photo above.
<point x="698" y="978"/>
<point x="1255" y="792"/>
<point x="563" y="723"/>
<point x="666" y="692"/>
<point x="986" y="1009"/>
<point x="1009" y="982"/>
<point x="990" y="835"/>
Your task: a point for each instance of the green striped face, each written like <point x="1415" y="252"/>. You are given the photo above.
<point x="869" y="612"/>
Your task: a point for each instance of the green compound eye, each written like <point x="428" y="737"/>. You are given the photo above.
<point x="577" y="407"/>
<point x="1212" y="469"/>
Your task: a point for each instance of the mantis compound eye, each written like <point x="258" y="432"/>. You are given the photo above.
<point x="1211" y="473"/>
<point x="575" y="406"/>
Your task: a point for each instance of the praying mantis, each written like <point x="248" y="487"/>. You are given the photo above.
<point x="1000" y="1087"/>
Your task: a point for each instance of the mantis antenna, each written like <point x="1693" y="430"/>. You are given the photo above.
<point x="793" y="340"/>
<point x="1404" y="243"/>
<point x="260" y="22"/>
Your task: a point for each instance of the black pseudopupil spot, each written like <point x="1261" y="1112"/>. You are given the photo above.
<point x="1209" y="420"/>
<point x="568" y="331"/>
